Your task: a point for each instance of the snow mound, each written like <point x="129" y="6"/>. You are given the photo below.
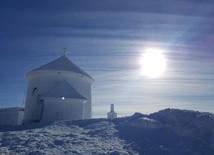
<point x="64" y="138"/>
<point x="167" y="132"/>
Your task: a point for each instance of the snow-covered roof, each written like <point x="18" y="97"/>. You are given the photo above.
<point x="11" y="109"/>
<point x="63" y="89"/>
<point x="64" y="64"/>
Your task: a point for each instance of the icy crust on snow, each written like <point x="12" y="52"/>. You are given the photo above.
<point x="186" y="122"/>
<point x="194" y="125"/>
<point x="65" y="138"/>
<point x="167" y="132"/>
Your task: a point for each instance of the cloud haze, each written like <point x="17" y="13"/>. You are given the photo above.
<point x="107" y="39"/>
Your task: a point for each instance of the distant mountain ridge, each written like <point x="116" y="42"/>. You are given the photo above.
<point x="167" y="132"/>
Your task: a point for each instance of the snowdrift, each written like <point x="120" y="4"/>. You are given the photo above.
<point x="167" y="132"/>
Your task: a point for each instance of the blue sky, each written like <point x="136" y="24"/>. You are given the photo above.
<point x="107" y="39"/>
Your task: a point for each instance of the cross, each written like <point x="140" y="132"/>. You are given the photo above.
<point x="64" y="51"/>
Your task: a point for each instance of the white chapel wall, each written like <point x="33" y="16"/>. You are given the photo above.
<point x="54" y="110"/>
<point x="45" y="81"/>
<point x="83" y="86"/>
<point x="42" y="83"/>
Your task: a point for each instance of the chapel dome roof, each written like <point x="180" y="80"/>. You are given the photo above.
<point x="64" y="64"/>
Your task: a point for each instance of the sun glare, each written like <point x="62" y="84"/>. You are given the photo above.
<point x="153" y="63"/>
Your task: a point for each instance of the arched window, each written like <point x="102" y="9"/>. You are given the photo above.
<point x="34" y="90"/>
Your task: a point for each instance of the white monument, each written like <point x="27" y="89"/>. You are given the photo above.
<point x="112" y="114"/>
<point x="58" y="90"/>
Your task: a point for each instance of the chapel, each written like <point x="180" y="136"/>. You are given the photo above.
<point x="58" y="90"/>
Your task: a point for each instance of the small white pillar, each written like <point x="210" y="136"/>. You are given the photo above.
<point x="112" y="114"/>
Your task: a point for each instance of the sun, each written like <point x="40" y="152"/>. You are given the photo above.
<point x="153" y="63"/>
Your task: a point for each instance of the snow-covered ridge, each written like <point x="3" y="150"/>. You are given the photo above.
<point x="186" y="122"/>
<point x="12" y="109"/>
<point x="167" y="132"/>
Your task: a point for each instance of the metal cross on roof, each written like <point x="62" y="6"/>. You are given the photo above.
<point x="64" y="51"/>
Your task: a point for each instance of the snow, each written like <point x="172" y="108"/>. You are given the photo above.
<point x="64" y="64"/>
<point x="167" y="132"/>
<point x="64" y="138"/>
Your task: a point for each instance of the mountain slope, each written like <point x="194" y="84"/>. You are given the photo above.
<point x="170" y="131"/>
<point x="64" y="138"/>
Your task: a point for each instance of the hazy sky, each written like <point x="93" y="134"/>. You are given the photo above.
<point x="107" y="40"/>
